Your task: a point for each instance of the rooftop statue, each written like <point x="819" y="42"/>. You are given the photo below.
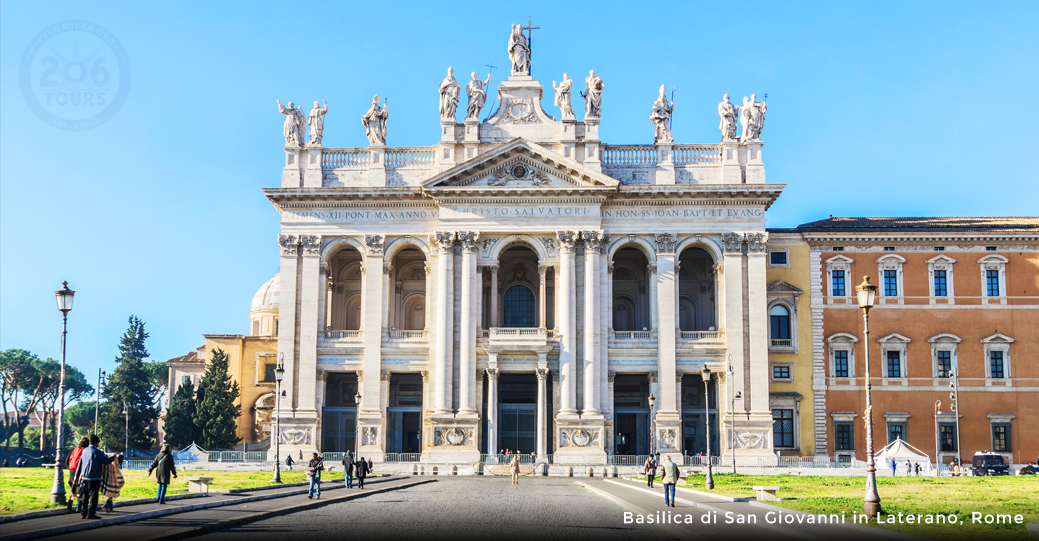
<point x="449" y="91"/>
<point x="661" y="117"/>
<point x="519" y="51"/>
<point x="316" y="120"/>
<point x="592" y="95"/>
<point x="752" y="118"/>
<point x="477" y="92"/>
<point x="727" y="111"/>
<point x="294" y="123"/>
<point x="564" y="96"/>
<point x="374" y="122"/>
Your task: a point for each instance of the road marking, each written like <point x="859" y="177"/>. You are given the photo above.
<point x="674" y="532"/>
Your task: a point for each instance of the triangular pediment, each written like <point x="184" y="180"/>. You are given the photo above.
<point x="519" y="164"/>
<point x="779" y="286"/>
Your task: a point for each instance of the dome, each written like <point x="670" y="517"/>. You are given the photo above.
<point x="266" y="297"/>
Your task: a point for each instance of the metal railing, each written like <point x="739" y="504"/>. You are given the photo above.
<point x="701" y="461"/>
<point x="628" y="460"/>
<point x="701" y="335"/>
<point x="408" y="334"/>
<point x="403" y="457"/>
<point x="237" y="456"/>
<point x="501" y="458"/>
<point x="781" y="342"/>
<point x="341" y="334"/>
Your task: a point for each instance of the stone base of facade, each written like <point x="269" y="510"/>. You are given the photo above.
<point x="453" y="440"/>
<point x="580" y="440"/>
<point x="299" y="437"/>
<point x="752" y="438"/>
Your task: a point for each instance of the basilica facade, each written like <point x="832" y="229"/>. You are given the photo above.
<point x="522" y="284"/>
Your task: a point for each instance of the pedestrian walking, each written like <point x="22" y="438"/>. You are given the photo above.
<point x="91" y="467"/>
<point x="916" y="468"/>
<point x="651" y="470"/>
<point x="371" y="467"/>
<point x="893" y="468"/>
<point x="314" y="469"/>
<point x="348" y="468"/>
<point x="112" y="482"/>
<point x="289" y="462"/>
<point x="909" y="468"/>
<point x="669" y="476"/>
<point x="163" y="467"/>
<point x="362" y="472"/>
<point x="514" y="469"/>
<point x="73" y="480"/>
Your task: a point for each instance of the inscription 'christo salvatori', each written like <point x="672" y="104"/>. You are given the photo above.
<point x="525" y="212"/>
<point x="616" y="214"/>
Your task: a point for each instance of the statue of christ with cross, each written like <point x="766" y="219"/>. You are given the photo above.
<point x="520" y="48"/>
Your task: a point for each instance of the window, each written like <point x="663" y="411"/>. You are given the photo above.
<point x="256" y="327"/>
<point x="840" y="363"/>
<point x="992" y="282"/>
<point x="939" y="248"/>
<point x="889" y="248"/>
<point x="941" y="286"/>
<point x="947" y="436"/>
<point x="844" y="439"/>
<point x="838" y="248"/>
<point x="186" y="380"/>
<point x="896" y="431"/>
<point x="781" y="372"/>
<point x="894" y="364"/>
<point x="780" y="318"/>
<point x="777" y="258"/>
<point x="990" y="248"/>
<point x="838" y="283"/>
<point x="518" y="307"/>
<point x="782" y="428"/>
<point x="891" y="283"/>
<point x="944" y="363"/>
<point x="996" y="364"/>
<point x="268" y="372"/>
<point x="1000" y="437"/>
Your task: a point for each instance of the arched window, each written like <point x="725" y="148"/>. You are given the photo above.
<point x="780" y="318"/>
<point x="518" y="307"/>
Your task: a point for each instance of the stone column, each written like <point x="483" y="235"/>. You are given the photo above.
<point x="371" y="323"/>
<point x="309" y="295"/>
<point x="467" y="321"/>
<point x="388" y="296"/>
<point x="479" y="300"/>
<point x="592" y="246"/>
<point x="605" y="404"/>
<point x="566" y="316"/>
<point x="542" y="296"/>
<point x="425" y="393"/>
<point x="665" y="286"/>
<point x="542" y="421"/>
<point x="287" y="318"/>
<point x="732" y="284"/>
<point x="493" y="320"/>
<point x="654" y="389"/>
<point x="444" y="245"/>
<point x="322" y="299"/>
<point x="384" y="404"/>
<point x="757" y="303"/>
<point x="492" y="405"/>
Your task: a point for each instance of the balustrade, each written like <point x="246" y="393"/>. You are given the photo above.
<point x="332" y="335"/>
<point x="694" y="154"/>
<point x="633" y="335"/>
<point x="407" y="334"/>
<point x="346" y="158"/>
<point x="701" y="335"/>
<point x="417" y="157"/>
<point x="781" y="342"/>
<point x="629" y="155"/>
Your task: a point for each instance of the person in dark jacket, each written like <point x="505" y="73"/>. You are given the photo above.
<point x="362" y="472"/>
<point x="91" y="466"/>
<point x="314" y="469"/>
<point x="371" y="467"/>
<point x="73" y="467"/>
<point x="348" y="469"/>
<point x="289" y="462"/>
<point x="163" y="466"/>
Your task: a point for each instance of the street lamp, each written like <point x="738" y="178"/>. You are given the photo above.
<point x="937" y="445"/>
<point x="867" y="293"/>
<point x="736" y="395"/>
<point x="357" y="409"/>
<point x="954" y="408"/>
<point x="279" y="373"/>
<point x="97" y="397"/>
<point x="706" y="373"/>
<point x="652" y="422"/>
<point x="64" y="298"/>
<point x="126" y="442"/>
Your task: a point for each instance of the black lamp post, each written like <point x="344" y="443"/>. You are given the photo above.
<point x="64" y="297"/>
<point x="652" y="422"/>
<point x="706" y="373"/>
<point x="357" y="435"/>
<point x="279" y="373"/>
<point x="867" y="293"/>
<point x="97" y="397"/>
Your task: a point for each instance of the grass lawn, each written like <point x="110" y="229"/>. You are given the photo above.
<point x="28" y="489"/>
<point x="909" y="495"/>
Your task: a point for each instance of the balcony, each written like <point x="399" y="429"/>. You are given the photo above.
<point x="517" y="336"/>
<point x="782" y="342"/>
<point x="341" y="338"/>
<point x="701" y="336"/>
<point x="633" y="339"/>
<point x="408" y="335"/>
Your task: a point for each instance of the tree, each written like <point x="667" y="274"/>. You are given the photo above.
<point x="49" y="374"/>
<point x="16" y="373"/>
<point x="80" y="418"/>
<point x="217" y="413"/>
<point x="158" y="376"/>
<point x="180" y="417"/>
<point x="76" y="389"/>
<point x="129" y="384"/>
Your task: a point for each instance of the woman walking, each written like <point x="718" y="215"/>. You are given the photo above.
<point x="651" y="470"/>
<point x="163" y="468"/>
<point x="362" y="472"/>
<point x="514" y="469"/>
<point x="314" y="469"/>
<point x="73" y="478"/>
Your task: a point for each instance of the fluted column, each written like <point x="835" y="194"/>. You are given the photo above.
<point x="492" y="407"/>
<point x="566" y="318"/>
<point x="542" y="296"/>
<point x="493" y="320"/>
<point x="542" y="420"/>
<point x="444" y="245"/>
<point x="592" y="245"/>
<point x="665" y="288"/>
<point x="467" y="321"/>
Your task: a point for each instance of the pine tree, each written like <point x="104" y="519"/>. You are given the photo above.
<point x="217" y="414"/>
<point x="129" y="384"/>
<point x="180" y="417"/>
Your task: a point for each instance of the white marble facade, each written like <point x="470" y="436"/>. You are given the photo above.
<point x="522" y="260"/>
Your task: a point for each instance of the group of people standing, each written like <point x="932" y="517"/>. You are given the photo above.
<point x="668" y="476"/>
<point x="359" y="468"/>
<point x="92" y="472"/>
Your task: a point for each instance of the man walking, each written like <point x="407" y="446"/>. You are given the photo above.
<point x="348" y="468"/>
<point x="362" y="472"/>
<point x="314" y="469"/>
<point x="92" y="463"/>
<point x="670" y="479"/>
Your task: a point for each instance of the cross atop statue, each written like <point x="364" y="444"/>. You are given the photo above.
<point x="530" y="35"/>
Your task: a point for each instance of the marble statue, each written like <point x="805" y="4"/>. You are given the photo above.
<point x="564" y="96"/>
<point x="477" y="92"/>
<point x="661" y="117"/>
<point x="519" y="51"/>
<point x="294" y="123"/>
<point x="752" y="118"/>
<point x="316" y="120"/>
<point x="374" y="122"/>
<point x="728" y="113"/>
<point x="449" y="91"/>
<point x="592" y="95"/>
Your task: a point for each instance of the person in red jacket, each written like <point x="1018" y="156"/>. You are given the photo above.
<point x="73" y="466"/>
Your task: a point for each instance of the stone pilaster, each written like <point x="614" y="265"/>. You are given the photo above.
<point x="667" y="412"/>
<point x="542" y="419"/>
<point x="377" y="167"/>
<point x="443" y="243"/>
<point x="469" y="241"/>
<point x="370" y="417"/>
<point x="665" y="171"/>
<point x="312" y="173"/>
<point x="566" y="318"/>
<point x="292" y="174"/>
<point x="492" y="406"/>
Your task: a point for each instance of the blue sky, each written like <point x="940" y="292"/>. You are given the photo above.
<point x="875" y="108"/>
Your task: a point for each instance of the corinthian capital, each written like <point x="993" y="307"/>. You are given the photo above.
<point x="289" y="244"/>
<point x="442" y="240"/>
<point x="470" y="241"/>
<point x="733" y="242"/>
<point x="567" y="240"/>
<point x="595" y="242"/>
<point x="374" y="244"/>
<point x="756" y="242"/>
<point x="665" y="243"/>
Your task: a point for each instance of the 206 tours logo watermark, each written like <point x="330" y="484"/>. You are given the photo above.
<point x="75" y="75"/>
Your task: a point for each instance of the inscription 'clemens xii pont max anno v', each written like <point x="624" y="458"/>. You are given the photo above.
<point x="528" y="212"/>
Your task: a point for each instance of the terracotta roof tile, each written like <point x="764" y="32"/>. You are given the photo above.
<point x="942" y="223"/>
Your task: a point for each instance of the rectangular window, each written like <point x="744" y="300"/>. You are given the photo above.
<point x="941" y="285"/>
<point x="947" y="435"/>
<point x="783" y="428"/>
<point x="896" y="431"/>
<point x="778" y="258"/>
<point x="894" y="364"/>
<point x="889" y="248"/>
<point x="939" y="248"/>
<point x="891" y="283"/>
<point x="186" y="380"/>
<point x="838" y="248"/>
<point x="1000" y="437"/>
<point x="992" y="280"/>
<point x="944" y="364"/>
<point x="990" y="248"/>
<point x="844" y="436"/>
<point x="838" y="284"/>
<point x="268" y="372"/>
<point x="840" y="364"/>
<point x="996" y="364"/>
<point x="780" y="372"/>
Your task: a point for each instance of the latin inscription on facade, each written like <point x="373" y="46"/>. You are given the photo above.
<point x="683" y="213"/>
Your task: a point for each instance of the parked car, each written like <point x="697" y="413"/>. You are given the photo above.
<point x="989" y="464"/>
<point x="1028" y="470"/>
